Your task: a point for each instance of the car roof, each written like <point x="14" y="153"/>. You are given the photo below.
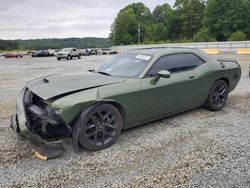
<point x="155" y="51"/>
<point x="158" y="52"/>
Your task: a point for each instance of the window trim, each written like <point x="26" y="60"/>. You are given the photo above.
<point x="146" y="75"/>
<point x="138" y="74"/>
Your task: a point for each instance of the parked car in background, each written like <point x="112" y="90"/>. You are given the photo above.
<point x="94" y="52"/>
<point x="13" y="55"/>
<point x="68" y="53"/>
<point x="24" y="53"/>
<point x="133" y="88"/>
<point x="105" y="51"/>
<point x="40" y="53"/>
<point x="113" y="52"/>
<point x="3" y="55"/>
<point x="51" y="52"/>
<point x="86" y="52"/>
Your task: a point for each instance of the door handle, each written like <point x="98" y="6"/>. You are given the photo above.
<point x="222" y="65"/>
<point x="191" y="76"/>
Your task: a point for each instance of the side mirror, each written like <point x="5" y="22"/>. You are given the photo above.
<point x="164" y="74"/>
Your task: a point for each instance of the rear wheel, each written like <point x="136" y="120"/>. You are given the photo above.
<point x="79" y="56"/>
<point x="68" y="57"/>
<point x="59" y="59"/>
<point x="101" y="127"/>
<point x="218" y="96"/>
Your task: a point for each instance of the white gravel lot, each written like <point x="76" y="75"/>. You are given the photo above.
<point x="197" y="148"/>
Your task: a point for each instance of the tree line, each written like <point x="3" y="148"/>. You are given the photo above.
<point x="187" y="21"/>
<point x="39" y="44"/>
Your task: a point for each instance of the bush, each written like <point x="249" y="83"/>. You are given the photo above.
<point x="183" y="40"/>
<point x="237" y="36"/>
<point x="203" y="36"/>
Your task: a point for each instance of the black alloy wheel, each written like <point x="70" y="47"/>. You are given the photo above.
<point x="217" y="96"/>
<point x="100" y="127"/>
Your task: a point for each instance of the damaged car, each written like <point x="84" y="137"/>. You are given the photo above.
<point x="133" y="88"/>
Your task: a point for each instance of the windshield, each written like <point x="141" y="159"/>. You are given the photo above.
<point x="125" y="65"/>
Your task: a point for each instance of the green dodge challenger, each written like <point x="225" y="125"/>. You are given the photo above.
<point x="133" y="88"/>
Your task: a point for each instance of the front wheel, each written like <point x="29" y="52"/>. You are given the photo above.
<point x="79" y="56"/>
<point x="69" y="57"/>
<point x="100" y="127"/>
<point x="59" y="59"/>
<point x="218" y="96"/>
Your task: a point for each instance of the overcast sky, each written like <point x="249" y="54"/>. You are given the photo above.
<point x="30" y="19"/>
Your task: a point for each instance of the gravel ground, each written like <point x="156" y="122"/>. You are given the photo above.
<point x="197" y="148"/>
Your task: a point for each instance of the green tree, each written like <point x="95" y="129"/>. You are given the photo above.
<point x="223" y="17"/>
<point x="142" y="13"/>
<point x="125" y="27"/>
<point x="162" y="13"/>
<point x="190" y="13"/>
<point x="203" y="36"/>
<point x="129" y="20"/>
<point x="8" y="45"/>
<point x="175" y="26"/>
<point x="160" y="32"/>
<point x="39" y="44"/>
<point x="237" y="36"/>
<point x="144" y="18"/>
<point x="162" y="16"/>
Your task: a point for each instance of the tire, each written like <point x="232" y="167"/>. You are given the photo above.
<point x="59" y="59"/>
<point x="79" y="56"/>
<point x="69" y="57"/>
<point x="218" y="96"/>
<point x="100" y="127"/>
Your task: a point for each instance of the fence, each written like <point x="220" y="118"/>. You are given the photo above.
<point x="222" y="46"/>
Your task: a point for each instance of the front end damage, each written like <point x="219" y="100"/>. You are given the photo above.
<point x="36" y="121"/>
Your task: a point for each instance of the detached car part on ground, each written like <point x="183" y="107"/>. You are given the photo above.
<point x="134" y="88"/>
<point x="68" y="53"/>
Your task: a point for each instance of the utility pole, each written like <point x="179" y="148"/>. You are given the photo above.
<point x="139" y="33"/>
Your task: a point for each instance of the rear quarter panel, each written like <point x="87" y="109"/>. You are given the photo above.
<point x="208" y="73"/>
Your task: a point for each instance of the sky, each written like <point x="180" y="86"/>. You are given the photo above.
<point x="32" y="19"/>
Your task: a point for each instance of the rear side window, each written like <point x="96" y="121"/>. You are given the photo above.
<point x="176" y="63"/>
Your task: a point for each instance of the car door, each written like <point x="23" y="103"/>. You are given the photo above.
<point x="74" y="52"/>
<point x="170" y="95"/>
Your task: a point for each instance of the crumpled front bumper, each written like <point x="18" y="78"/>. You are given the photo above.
<point x="42" y="148"/>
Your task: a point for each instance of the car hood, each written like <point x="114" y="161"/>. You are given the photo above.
<point x="54" y="86"/>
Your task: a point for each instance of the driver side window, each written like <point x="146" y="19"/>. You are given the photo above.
<point x="175" y="63"/>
